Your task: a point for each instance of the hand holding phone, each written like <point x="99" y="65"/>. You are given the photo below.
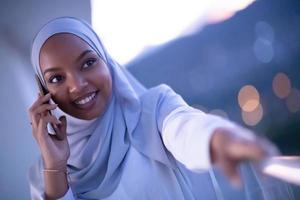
<point x="48" y="131"/>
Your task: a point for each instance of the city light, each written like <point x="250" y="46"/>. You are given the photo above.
<point x="248" y="98"/>
<point x="281" y="85"/>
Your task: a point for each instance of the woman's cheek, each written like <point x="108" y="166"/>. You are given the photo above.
<point x="58" y="97"/>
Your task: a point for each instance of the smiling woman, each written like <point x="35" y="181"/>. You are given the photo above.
<point x="115" y="138"/>
<point x="77" y="78"/>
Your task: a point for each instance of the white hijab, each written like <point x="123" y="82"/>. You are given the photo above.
<point x="99" y="146"/>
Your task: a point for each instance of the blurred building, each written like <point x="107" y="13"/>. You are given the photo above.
<point x="245" y="68"/>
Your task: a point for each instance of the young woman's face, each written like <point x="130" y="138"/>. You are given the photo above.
<point x="77" y="78"/>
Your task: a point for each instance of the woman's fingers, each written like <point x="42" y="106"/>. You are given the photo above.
<point x="222" y="158"/>
<point x="39" y="101"/>
<point x="61" y="131"/>
<point x="242" y="149"/>
<point x="237" y="151"/>
<point x="42" y="130"/>
<point x="236" y="147"/>
<point x="231" y="170"/>
<point x="229" y="148"/>
<point x="270" y="149"/>
<point x="256" y="149"/>
<point x="39" y="108"/>
<point x="40" y="112"/>
<point x="44" y="107"/>
<point x="32" y="110"/>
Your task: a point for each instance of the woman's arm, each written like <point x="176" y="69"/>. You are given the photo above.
<point x="199" y="140"/>
<point x="56" y="183"/>
<point x="54" y="148"/>
<point x="37" y="183"/>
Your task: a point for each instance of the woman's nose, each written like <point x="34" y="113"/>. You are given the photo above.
<point x="77" y="83"/>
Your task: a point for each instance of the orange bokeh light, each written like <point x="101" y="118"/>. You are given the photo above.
<point x="281" y="85"/>
<point x="293" y="101"/>
<point x="248" y="98"/>
<point x="254" y="117"/>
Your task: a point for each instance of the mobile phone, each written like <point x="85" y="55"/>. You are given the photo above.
<point x="44" y="91"/>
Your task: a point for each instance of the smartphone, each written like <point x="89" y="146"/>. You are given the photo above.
<point x="43" y="92"/>
<point x="42" y="89"/>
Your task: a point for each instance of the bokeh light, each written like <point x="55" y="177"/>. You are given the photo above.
<point x="264" y="31"/>
<point x="248" y="98"/>
<point x="263" y="45"/>
<point x="263" y="50"/>
<point x="281" y="85"/>
<point x="254" y="117"/>
<point x="293" y="101"/>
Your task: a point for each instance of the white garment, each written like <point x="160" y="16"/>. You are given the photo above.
<point x="186" y="133"/>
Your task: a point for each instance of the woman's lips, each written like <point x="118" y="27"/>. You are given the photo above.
<point x="87" y="101"/>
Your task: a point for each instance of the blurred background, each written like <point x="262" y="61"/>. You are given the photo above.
<point x="235" y="58"/>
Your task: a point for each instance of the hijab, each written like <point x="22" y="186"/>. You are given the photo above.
<point x="99" y="146"/>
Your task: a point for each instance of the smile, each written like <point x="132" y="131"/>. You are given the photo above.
<point x="86" y="99"/>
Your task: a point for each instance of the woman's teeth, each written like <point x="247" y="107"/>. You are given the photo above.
<point x="86" y="99"/>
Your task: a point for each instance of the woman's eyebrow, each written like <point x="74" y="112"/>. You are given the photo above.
<point x="51" y="70"/>
<point x="83" y="54"/>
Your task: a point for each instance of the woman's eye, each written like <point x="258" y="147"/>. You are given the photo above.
<point x="88" y="63"/>
<point x="55" y="79"/>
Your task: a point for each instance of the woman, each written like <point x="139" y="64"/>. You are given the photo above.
<point x="114" y="138"/>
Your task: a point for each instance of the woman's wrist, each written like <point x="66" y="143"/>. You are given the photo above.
<point x="57" y="166"/>
<point x="56" y="183"/>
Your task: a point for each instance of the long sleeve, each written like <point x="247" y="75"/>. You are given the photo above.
<point x="186" y="133"/>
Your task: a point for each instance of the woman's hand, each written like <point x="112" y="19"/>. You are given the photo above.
<point x="229" y="147"/>
<point x="54" y="148"/>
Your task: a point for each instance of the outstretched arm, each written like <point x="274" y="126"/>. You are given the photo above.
<point x="199" y="140"/>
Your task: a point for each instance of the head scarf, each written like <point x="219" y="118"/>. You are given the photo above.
<point x="99" y="146"/>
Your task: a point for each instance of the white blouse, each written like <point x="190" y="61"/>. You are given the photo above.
<point x="186" y="133"/>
